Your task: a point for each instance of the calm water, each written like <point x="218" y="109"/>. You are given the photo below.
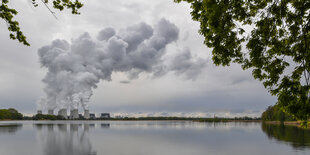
<point x="150" y="138"/>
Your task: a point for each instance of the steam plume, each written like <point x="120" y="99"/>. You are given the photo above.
<point x="75" y="69"/>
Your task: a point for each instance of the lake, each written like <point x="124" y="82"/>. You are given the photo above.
<point x="150" y="138"/>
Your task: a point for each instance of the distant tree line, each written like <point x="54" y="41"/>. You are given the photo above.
<point x="200" y="119"/>
<point x="13" y="114"/>
<point x="46" y="117"/>
<point x="149" y="118"/>
<point x="275" y="113"/>
<point x="223" y="119"/>
<point x="10" y="114"/>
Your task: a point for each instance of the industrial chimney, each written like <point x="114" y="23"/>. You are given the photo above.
<point x="50" y="112"/>
<point x="39" y="112"/>
<point x="63" y="113"/>
<point x="74" y="114"/>
<point x="86" y="114"/>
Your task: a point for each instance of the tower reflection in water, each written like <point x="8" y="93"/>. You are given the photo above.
<point x="65" y="139"/>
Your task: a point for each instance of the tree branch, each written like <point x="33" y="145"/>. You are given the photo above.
<point x="53" y="13"/>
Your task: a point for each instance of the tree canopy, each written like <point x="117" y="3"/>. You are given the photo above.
<point x="274" y="113"/>
<point x="11" y="114"/>
<point x="271" y="37"/>
<point x="7" y="14"/>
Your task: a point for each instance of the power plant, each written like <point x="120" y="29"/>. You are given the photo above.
<point x="86" y="114"/>
<point x="74" y="114"/>
<point x="105" y="115"/>
<point x="63" y="113"/>
<point x="39" y="112"/>
<point x="50" y="112"/>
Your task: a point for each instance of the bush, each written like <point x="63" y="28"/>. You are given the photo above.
<point x="11" y="114"/>
<point x="47" y="117"/>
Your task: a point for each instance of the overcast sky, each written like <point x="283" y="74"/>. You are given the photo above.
<point x="225" y="91"/>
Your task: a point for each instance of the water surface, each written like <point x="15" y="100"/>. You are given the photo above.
<point x="150" y="138"/>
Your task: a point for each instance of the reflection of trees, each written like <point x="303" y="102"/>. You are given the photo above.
<point x="298" y="138"/>
<point x="10" y="128"/>
<point x="65" y="139"/>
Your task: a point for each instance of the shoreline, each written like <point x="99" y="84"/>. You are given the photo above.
<point x="288" y="123"/>
<point x="227" y="120"/>
<point x="193" y="120"/>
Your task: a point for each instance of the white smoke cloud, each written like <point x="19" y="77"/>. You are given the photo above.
<point x="75" y="69"/>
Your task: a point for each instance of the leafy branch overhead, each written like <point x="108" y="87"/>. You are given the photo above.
<point x="277" y="38"/>
<point x="7" y="14"/>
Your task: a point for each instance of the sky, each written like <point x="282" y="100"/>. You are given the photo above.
<point x="178" y="80"/>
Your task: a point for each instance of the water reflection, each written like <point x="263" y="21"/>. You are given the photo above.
<point x="150" y="137"/>
<point x="105" y="125"/>
<point x="65" y="139"/>
<point x="10" y="128"/>
<point x="296" y="137"/>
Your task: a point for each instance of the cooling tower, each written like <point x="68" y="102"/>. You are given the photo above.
<point x="63" y="113"/>
<point x="39" y="112"/>
<point x="50" y="112"/>
<point x="74" y="114"/>
<point x="86" y="114"/>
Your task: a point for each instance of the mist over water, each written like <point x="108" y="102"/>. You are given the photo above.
<point x="150" y="137"/>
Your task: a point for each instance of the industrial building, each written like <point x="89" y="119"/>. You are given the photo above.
<point x="63" y="113"/>
<point x="74" y="114"/>
<point x="39" y="112"/>
<point x="50" y="112"/>
<point x="92" y="116"/>
<point x="105" y="115"/>
<point x="86" y="114"/>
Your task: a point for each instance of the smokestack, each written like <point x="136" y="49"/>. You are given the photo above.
<point x="39" y="112"/>
<point x="86" y="114"/>
<point x="74" y="114"/>
<point x="63" y="113"/>
<point x="50" y="112"/>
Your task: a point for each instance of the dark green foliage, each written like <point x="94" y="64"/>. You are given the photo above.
<point x="47" y="117"/>
<point x="214" y="120"/>
<point x="10" y="114"/>
<point x="27" y="118"/>
<point x="277" y="48"/>
<point x="7" y="14"/>
<point x="274" y="113"/>
<point x="297" y="137"/>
